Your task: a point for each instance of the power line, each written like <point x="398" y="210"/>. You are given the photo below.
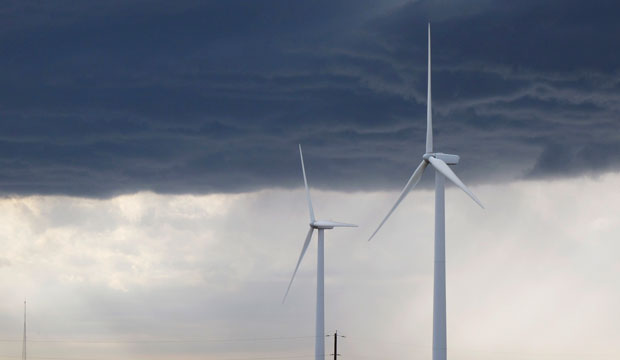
<point x="139" y="341"/>
<point x="237" y="358"/>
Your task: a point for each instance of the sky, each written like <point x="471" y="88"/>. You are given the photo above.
<point x="151" y="193"/>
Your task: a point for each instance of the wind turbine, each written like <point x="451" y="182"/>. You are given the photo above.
<point x="439" y="162"/>
<point x="321" y="226"/>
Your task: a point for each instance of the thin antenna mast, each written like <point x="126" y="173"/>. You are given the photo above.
<point x="24" y="341"/>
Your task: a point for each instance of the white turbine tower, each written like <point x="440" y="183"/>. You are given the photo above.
<point x="440" y="162"/>
<point x="321" y="225"/>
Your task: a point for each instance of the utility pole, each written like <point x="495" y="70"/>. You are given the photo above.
<point x="24" y="341"/>
<point x="336" y="336"/>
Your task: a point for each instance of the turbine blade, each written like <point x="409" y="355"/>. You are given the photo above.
<point x="303" y="170"/>
<point x="301" y="256"/>
<point x="445" y="170"/>
<point x="429" y="110"/>
<point x="413" y="181"/>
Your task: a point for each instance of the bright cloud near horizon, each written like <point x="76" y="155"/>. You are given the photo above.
<point x="150" y="276"/>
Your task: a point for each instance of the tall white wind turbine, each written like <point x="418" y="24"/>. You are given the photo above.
<point x="439" y="162"/>
<point x="321" y="226"/>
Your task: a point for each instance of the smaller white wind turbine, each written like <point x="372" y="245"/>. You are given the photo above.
<point x="321" y="225"/>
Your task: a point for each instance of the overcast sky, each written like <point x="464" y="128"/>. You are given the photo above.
<point x="151" y="202"/>
<point x="102" y="98"/>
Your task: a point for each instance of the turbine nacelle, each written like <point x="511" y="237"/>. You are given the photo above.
<point x="325" y="224"/>
<point x="447" y="158"/>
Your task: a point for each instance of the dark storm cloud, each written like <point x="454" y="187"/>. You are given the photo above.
<point x="105" y="98"/>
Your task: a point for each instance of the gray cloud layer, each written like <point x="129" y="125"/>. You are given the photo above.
<point x="98" y="99"/>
